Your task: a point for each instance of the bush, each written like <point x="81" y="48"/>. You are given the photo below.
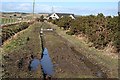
<point x="70" y="33"/>
<point x="99" y="29"/>
<point x="24" y="25"/>
<point x="116" y="41"/>
<point x="9" y="31"/>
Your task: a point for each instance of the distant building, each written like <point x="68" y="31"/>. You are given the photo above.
<point x="60" y="15"/>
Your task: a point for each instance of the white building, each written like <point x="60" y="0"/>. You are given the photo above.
<point x="60" y="15"/>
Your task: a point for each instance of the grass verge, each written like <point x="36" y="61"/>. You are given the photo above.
<point x="108" y="64"/>
<point x="22" y="45"/>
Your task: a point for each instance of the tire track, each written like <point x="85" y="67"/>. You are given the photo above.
<point x="66" y="57"/>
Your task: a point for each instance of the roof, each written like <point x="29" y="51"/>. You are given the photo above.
<point x="62" y="14"/>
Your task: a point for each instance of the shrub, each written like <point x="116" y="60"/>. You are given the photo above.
<point x="9" y="31"/>
<point x="70" y="33"/>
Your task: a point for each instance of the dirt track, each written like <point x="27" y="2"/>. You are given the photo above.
<point x="68" y="62"/>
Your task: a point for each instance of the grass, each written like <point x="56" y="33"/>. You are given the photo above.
<point x="93" y="54"/>
<point x="20" y="46"/>
<point x="7" y="20"/>
<point x="20" y="40"/>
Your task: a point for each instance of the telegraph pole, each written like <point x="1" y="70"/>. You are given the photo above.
<point x="52" y="9"/>
<point x="33" y="7"/>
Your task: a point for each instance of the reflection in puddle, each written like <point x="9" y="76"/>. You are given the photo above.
<point x="45" y="62"/>
<point x="34" y="64"/>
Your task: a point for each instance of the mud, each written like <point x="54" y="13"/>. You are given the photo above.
<point x="68" y="62"/>
<point x="16" y="62"/>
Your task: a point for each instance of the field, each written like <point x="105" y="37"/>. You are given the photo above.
<point x="71" y="57"/>
<point x="7" y="20"/>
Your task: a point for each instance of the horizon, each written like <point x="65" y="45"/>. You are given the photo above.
<point x="56" y="12"/>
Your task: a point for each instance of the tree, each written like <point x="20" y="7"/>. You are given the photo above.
<point x="64" y="22"/>
<point x="100" y="15"/>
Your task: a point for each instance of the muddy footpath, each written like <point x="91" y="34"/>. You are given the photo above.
<point x="68" y="62"/>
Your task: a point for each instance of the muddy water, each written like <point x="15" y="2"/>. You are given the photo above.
<point x="46" y="63"/>
<point x="34" y="64"/>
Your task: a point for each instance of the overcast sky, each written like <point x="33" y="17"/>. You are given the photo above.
<point x="64" y="6"/>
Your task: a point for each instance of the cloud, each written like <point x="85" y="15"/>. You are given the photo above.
<point x="26" y="7"/>
<point x="85" y="10"/>
<point x="43" y="8"/>
<point x="47" y="8"/>
<point x="60" y="0"/>
<point x="17" y="7"/>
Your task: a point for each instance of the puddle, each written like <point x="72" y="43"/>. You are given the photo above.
<point x="46" y="63"/>
<point x="34" y="64"/>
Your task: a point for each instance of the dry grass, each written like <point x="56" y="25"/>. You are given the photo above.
<point x="65" y="51"/>
<point x="22" y="47"/>
<point x="99" y="57"/>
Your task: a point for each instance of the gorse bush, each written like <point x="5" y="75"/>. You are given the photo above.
<point x="24" y="25"/>
<point x="100" y="30"/>
<point x="70" y="33"/>
<point x="41" y="19"/>
<point x="9" y="31"/>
